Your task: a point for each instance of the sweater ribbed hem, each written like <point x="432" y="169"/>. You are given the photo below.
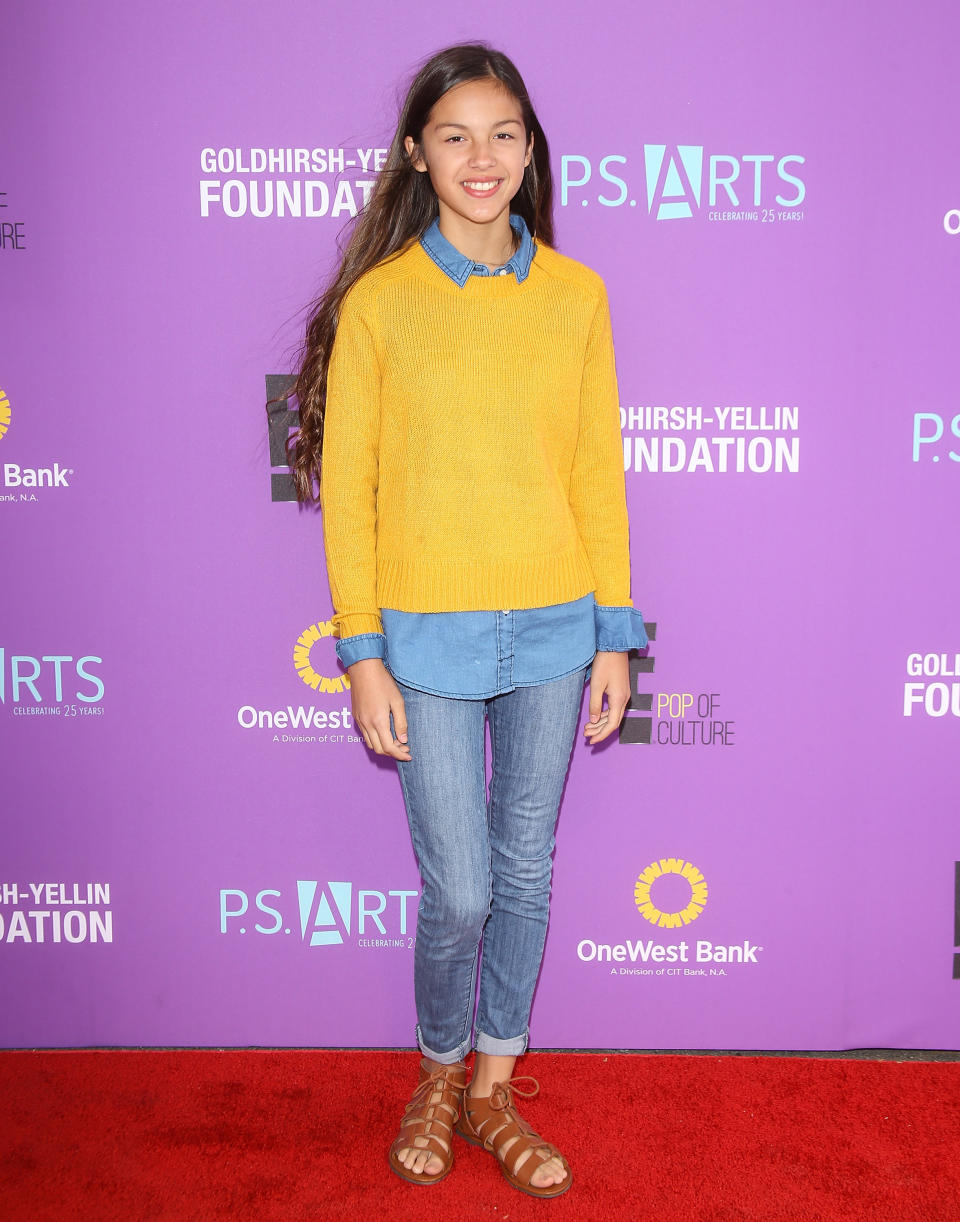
<point x="357" y="623"/>
<point x="514" y="583"/>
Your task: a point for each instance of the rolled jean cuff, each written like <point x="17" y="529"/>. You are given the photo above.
<point x="443" y="1058"/>
<point x="502" y="1048"/>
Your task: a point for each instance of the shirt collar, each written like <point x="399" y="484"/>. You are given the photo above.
<point x="459" y="268"/>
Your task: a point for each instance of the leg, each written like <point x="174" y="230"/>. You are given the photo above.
<point x="532" y="733"/>
<point x="444" y="791"/>
<point x="532" y="730"/>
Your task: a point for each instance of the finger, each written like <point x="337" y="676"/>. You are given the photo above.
<point x="398" y="728"/>
<point x="363" y="730"/>
<point x="399" y="719"/>
<point x="605" y="732"/>
<point x="388" y="744"/>
<point x="375" y="741"/>
<point x="596" y="701"/>
<point x="617" y="707"/>
<point x="594" y="727"/>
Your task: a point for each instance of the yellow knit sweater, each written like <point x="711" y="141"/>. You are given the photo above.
<point x="472" y="455"/>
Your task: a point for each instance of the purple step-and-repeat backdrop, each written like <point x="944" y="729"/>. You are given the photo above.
<point x="197" y="849"/>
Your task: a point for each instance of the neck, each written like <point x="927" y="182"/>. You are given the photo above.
<point x="491" y="244"/>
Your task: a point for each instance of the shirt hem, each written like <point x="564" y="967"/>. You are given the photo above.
<point x="432" y="691"/>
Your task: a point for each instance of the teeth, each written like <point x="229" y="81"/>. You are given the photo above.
<point x="482" y="186"/>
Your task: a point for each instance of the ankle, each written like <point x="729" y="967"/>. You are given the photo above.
<point x="432" y="1066"/>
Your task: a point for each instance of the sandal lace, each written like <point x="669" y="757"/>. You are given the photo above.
<point x="435" y="1081"/>
<point x="501" y="1096"/>
<point x="502" y="1100"/>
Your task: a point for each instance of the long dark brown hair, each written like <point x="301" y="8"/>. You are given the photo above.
<point x="401" y="207"/>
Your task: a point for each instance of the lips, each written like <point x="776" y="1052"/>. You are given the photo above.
<point x="480" y="188"/>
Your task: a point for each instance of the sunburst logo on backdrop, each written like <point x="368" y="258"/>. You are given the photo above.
<point x="683" y="916"/>
<point x="5" y="412"/>
<point x="301" y="659"/>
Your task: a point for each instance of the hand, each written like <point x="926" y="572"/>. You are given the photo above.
<point x="373" y="697"/>
<point x="610" y="675"/>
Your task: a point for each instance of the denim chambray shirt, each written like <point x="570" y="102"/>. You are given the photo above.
<point x="477" y="654"/>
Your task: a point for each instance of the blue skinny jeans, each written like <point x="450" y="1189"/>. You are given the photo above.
<point x="485" y="861"/>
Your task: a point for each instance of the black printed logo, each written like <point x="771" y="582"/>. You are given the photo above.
<point x="282" y="420"/>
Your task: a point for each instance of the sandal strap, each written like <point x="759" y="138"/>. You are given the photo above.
<point x="496" y="1122"/>
<point x="432" y="1122"/>
<point x="439" y="1079"/>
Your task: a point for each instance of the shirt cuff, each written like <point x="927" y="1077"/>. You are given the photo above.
<point x="619" y="629"/>
<point x="356" y="648"/>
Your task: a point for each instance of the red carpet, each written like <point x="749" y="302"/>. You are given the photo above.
<point x="281" y="1136"/>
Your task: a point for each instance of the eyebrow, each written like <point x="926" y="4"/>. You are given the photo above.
<point x="499" y="123"/>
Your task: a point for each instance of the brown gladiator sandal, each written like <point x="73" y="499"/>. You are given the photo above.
<point x="431" y="1122"/>
<point x="494" y="1122"/>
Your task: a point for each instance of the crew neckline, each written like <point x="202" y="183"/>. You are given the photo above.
<point x="487" y="286"/>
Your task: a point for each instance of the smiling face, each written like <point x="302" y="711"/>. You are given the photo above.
<point x="475" y="150"/>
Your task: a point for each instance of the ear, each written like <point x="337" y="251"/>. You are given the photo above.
<point x="526" y="160"/>
<point x="414" y="153"/>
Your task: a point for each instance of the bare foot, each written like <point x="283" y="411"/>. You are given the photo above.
<point x="551" y="1172"/>
<point x="428" y="1122"/>
<point x="415" y="1158"/>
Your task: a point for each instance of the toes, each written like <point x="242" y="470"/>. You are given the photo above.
<point x="550" y="1173"/>
<point x="420" y="1162"/>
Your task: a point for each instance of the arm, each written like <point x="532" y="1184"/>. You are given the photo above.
<point x="348" y="499"/>
<point x="598" y="500"/>
<point x="350" y="475"/>
<point x="598" y="497"/>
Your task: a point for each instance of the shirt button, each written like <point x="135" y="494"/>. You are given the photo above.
<point x="506" y="613"/>
<point x="502" y="271"/>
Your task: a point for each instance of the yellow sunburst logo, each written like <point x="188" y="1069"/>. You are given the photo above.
<point x="5" y="412"/>
<point x="670" y="920"/>
<point x="301" y="660"/>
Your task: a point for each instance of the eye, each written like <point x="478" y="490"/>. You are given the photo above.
<point x="451" y="139"/>
<point x="505" y="135"/>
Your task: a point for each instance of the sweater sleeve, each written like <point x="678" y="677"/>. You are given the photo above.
<point x="598" y="496"/>
<point x="350" y="474"/>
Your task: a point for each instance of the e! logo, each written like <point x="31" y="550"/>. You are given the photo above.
<point x="635" y="729"/>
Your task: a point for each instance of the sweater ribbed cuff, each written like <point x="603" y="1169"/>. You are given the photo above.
<point x="355" y="623"/>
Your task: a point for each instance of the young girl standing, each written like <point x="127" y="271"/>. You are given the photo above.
<point x="458" y="380"/>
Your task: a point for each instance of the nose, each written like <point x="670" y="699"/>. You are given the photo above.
<point x="483" y="153"/>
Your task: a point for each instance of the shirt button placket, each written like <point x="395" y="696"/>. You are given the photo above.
<point x="504" y="650"/>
